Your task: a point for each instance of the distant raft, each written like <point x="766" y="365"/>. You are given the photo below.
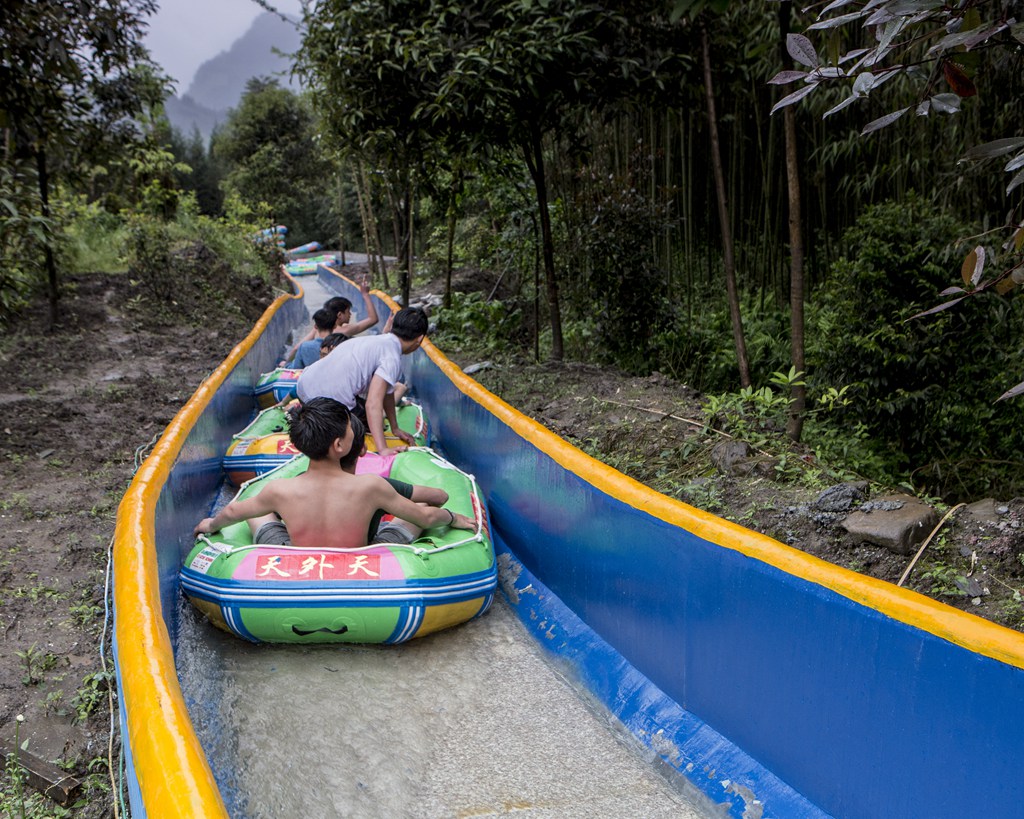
<point x="277" y="385"/>
<point x="264" y="445"/>
<point x="309" y="247"/>
<point x="386" y="593"/>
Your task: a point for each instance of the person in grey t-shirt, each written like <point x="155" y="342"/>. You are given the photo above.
<point x="370" y="367"/>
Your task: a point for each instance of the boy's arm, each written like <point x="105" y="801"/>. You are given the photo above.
<point x="375" y="405"/>
<point x="430" y="495"/>
<point x="392" y="416"/>
<point x="356" y="327"/>
<point x="426" y="517"/>
<point x="261" y="504"/>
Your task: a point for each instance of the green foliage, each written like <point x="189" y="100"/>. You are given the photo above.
<point x="401" y="83"/>
<point x="474" y="322"/>
<point x="758" y="416"/>
<point x="35" y="663"/>
<point x="75" y="76"/>
<point x="203" y="175"/>
<point x="91" y="693"/>
<point x="93" y="239"/>
<point x="960" y="42"/>
<point x="754" y="415"/>
<point x="925" y="387"/>
<point x="697" y="348"/>
<point x="199" y="268"/>
<point x="154" y="171"/>
<point x="614" y="227"/>
<point x="477" y="75"/>
<point x="503" y="232"/>
<point x="943" y="579"/>
<point x="271" y="154"/>
<point x="23" y="233"/>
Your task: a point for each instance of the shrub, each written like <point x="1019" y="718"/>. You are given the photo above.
<point x="923" y="387"/>
<point x="475" y="323"/>
<point x="618" y="285"/>
<point x="199" y="269"/>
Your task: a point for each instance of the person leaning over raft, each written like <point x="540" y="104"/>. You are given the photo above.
<point x="370" y="366"/>
<point x="327" y="507"/>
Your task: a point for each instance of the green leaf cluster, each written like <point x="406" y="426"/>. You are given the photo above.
<point x="270" y="151"/>
<point x="947" y="440"/>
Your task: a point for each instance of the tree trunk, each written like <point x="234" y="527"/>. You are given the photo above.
<point x="449" y="259"/>
<point x="365" y="219"/>
<point x="341" y="220"/>
<point x="728" y="257"/>
<point x="52" y="287"/>
<point x="536" y="292"/>
<point x="407" y="272"/>
<point x="375" y="247"/>
<point x="397" y="217"/>
<point x="534" y="155"/>
<point x="796" y="245"/>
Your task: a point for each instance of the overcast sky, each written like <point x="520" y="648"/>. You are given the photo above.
<point x="184" y="34"/>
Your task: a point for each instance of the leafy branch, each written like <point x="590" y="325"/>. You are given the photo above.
<point x="904" y="38"/>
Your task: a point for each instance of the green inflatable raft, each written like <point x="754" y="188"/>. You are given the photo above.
<point x="264" y="444"/>
<point x="384" y="593"/>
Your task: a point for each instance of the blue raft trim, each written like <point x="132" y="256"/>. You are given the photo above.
<point x="312" y="594"/>
<point x="259" y="464"/>
<point x="409" y="621"/>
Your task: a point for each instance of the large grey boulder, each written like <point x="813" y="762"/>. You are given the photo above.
<point x="897" y="522"/>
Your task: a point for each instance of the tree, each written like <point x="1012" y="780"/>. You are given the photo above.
<point x="271" y="153"/>
<point x="520" y="72"/>
<point x="798" y="395"/>
<point x="724" y="217"/>
<point x="204" y="174"/>
<point x="362" y="64"/>
<point x="398" y="79"/>
<point x="72" y="77"/>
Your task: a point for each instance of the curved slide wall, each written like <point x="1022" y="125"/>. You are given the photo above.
<point x="847" y="695"/>
<point x="167" y="770"/>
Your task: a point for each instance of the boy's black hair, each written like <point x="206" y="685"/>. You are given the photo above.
<point x="409" y="323"/>
<point x="339" y="304"/>
<point x="323" y="319"/>
<point x="329" y="342"/>
<point x="313" y="426"/>
<point x="348" y="460"/>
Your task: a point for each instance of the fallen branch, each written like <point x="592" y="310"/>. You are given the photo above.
<point x="927" y="540"/>
<point x="48" y="779"/>
<point x="665" y="415"/>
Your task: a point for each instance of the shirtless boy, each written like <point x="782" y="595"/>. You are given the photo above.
<point x="327" y="507"/>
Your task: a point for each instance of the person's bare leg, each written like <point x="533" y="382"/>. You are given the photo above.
<point x="256" y="523"/>
<point x="414" y="530"/>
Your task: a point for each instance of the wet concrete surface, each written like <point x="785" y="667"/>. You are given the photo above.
<point x="473" y="721"/>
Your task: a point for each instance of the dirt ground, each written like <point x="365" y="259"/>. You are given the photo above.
<point x="86" y="401"/>
<point x="82" y="406"/>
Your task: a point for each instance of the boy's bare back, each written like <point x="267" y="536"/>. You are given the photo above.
<point x="328" y="509"/>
